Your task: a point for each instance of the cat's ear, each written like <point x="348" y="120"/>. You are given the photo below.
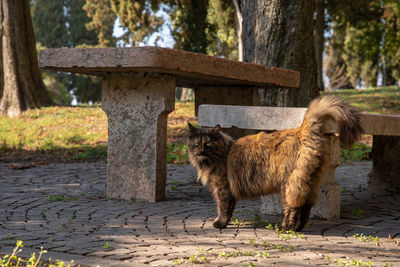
<point x="217" y="128"/>
<point x="192" y="129"/>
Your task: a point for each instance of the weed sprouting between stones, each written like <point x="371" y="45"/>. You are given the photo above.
<point x="12" y="260"/>
<point x="107" y="246"/>
<point x="348" y="261"/>
<point x="357" y="212"/>
<point x="60" y="198"/>
<point x="368" y="238"/>
<point x="208" y="255"/>
<point x="285" y="235"/>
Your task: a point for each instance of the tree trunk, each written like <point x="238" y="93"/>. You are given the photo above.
<point x="21" y="85"/>
<point x="385" y="154"/>
<point x="319" y="39"/>
<point x="239" y="29"/>
<point x="280" y="34"/>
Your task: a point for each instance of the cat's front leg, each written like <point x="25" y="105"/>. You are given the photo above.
<point x="225" y="204"/>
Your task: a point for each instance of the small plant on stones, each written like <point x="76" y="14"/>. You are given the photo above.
<point x="285" y="235"/>
<point x="200" y="257"/>
<point x="357" y="212"/>
<point x="242" y="253"/>
<point x="368" y="238"/>
<point x="236" y="222"/>
<point x="206" y="256"/>
<point x="12" y="260"/>
<point x="107" y="246"/>
<point x="348" y="261"/>
<point x="278" y="247"/>
<point x="60" y="198"/>
<point x="257" y="222"/>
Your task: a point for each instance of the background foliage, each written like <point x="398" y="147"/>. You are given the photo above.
<point x="361" y="38"/>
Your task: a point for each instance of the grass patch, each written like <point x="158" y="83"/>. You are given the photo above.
<point x="177" y="154"/>
<point x="70" y="134"/>
<point x="382" y="100"/>
<point x="357" y="152"/>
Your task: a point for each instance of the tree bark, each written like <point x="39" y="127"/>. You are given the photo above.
<point x="21" y="85"/>
<point x="385" y="154"/>
<point x="279" y="33"/>
<point x="319" y="39"/>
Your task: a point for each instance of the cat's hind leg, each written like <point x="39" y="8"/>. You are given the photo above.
<point x="225" y="204"/>
<point x="296" y="218"/>
<point x="293" y="216"/>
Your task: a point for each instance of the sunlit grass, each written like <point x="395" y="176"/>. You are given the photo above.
<point x="77" y="133"/>
<point x="80" y="133"/>
<point x="375" y="100"/>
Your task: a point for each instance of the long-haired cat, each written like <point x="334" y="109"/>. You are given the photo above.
<point x="291" y="161"/>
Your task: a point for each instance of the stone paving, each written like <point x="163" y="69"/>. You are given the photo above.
<point x="63" y="208"/>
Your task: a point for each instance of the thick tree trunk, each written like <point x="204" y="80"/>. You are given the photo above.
<point x="385" y="154"/>
<point x="280" y="33"/>
<point x="22" y="86"/>
<point x="319" y="39"/>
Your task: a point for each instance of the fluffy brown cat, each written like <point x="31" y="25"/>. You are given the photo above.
<point x="291" y="161"/>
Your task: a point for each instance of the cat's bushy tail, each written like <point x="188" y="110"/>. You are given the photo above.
<point x="334" y="111"/>
<point x="323" y="112"/>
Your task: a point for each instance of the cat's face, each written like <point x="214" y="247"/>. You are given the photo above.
<point x="204" y="144"/>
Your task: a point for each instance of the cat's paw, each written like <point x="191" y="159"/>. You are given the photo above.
<point x="291" y="226"/>
<point x="219" y="224"/>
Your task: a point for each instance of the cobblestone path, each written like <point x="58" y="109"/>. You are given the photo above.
<point x="63" y="208"/>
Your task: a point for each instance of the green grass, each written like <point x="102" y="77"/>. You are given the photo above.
<point x="71" y="134"/>
<point x="357" y="152"/>
<point x="374" y="100"/>
<point x="76" y="134"/>
<point x="177" y="153"/>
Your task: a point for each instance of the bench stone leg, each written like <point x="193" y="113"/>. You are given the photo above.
<point x="385" y="154"/>
<point x="328" y="204"/>
<point x="137" y="106"/>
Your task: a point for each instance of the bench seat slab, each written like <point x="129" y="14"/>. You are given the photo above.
<point x="137" y="106"/>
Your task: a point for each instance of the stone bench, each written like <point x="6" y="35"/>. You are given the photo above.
<point x="138" y="92"/>
<point x="278" y="118"/>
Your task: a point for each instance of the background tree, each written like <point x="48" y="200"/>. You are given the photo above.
<point x="280" y="34"/>
<point x="77" y="19"/>
<point x="85" y="88"/>
<point x="21" y="85"/>
<point x="45" y="11"/>
<point x="391" y="46"/>
<point x="70" y="20"/>
<point x="102" y="21"/>
<point x="138" y="18"/>
<point x="190" y="26"/>
<point x="319" y="39"/>
<point x="363" y="43"/>
<point x="223" y="40"/>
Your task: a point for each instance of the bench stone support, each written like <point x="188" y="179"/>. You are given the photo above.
<point x="385" y="174"/>
<point x="137" y="106"/>
<point x="228" y="95"/>
<point x="328" y="204"/>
